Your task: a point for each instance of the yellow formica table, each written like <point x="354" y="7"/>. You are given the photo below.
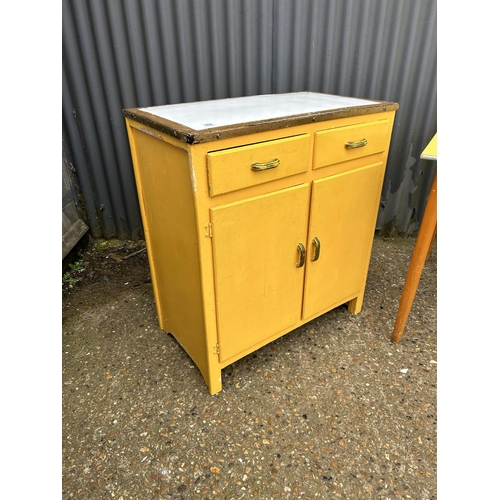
<point x="422" y="248"/>
<point x="259" y="214"/>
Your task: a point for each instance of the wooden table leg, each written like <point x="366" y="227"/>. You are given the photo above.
<point x="422" y="247"/>
<point x="432" y="241"/>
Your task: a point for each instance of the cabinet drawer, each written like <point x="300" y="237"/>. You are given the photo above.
<point x="245" y="166"/>
<point x="341" y="144"/>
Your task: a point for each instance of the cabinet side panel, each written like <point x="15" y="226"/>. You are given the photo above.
<point x="167" y="200"/>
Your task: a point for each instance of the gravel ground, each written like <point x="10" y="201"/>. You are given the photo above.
<point x="331" y="410"/>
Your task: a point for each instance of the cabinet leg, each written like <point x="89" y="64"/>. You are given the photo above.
<point x="354" y="306"/>
<point x="213" y="379"/>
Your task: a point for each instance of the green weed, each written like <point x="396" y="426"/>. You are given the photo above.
<point x="68" y="279"/>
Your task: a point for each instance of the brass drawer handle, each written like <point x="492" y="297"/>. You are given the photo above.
<point x="317" y="248"/>
<point x="265" y="166"/>
<point x="359" y="144"/>
<point x="302" y="255"/>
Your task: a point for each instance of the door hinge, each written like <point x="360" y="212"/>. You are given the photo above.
<point x="209" y="230"/>
<point x="216" y="349"/>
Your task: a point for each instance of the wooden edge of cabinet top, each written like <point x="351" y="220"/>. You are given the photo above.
<point x="205" y="121"/>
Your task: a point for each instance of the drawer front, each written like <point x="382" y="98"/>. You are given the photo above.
<point x="245" y="166"/>
<point x="341" y="144"/>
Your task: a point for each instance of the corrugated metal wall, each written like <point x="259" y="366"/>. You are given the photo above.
<point x="136" y="53"/>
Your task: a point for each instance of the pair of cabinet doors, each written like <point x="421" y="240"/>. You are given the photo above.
<point x="291" y="255"/>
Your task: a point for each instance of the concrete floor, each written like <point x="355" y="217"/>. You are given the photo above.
<point x="331" y="410"/>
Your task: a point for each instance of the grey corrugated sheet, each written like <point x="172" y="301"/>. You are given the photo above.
<point x="135" y="53"/>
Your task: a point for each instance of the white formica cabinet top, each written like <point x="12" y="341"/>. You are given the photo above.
<point x="202" y="121"/>
<point x="223" y="112"/>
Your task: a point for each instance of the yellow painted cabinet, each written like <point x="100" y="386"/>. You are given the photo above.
<point x="259" y="214"/>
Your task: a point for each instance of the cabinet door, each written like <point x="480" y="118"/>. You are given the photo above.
<point x="258" y="286"/>
<point x="343" y="214"/>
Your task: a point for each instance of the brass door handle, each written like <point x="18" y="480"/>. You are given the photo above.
<point x="358" y="144"/>
<point x="265" y="166"/>
<point x="302" y="255"/>
<point x="316" y="248"/>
